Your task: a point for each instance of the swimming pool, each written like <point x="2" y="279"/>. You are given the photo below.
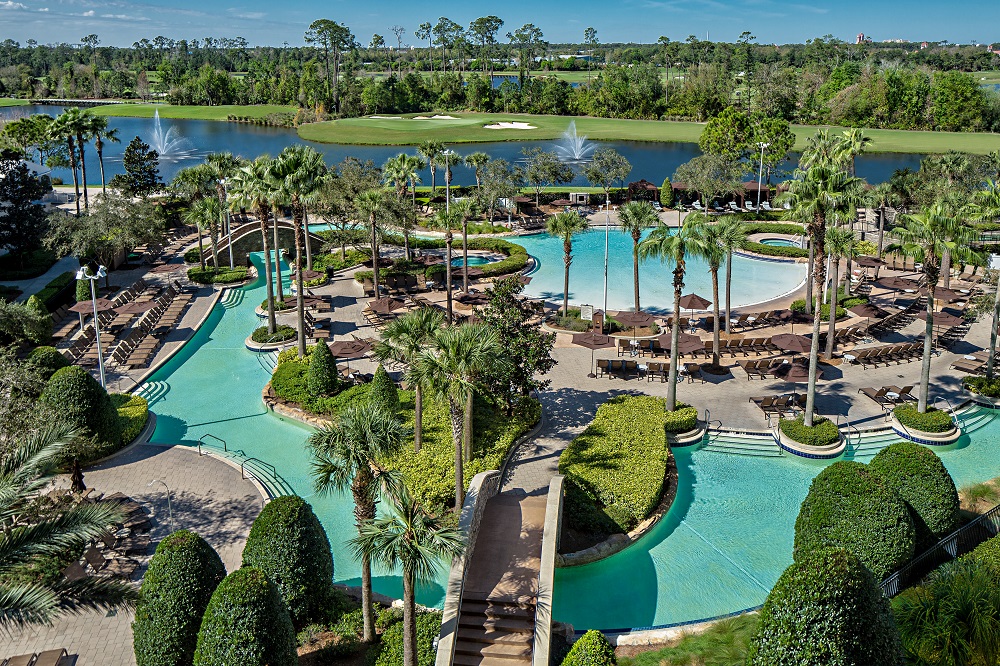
<point x="474" y="260"/>
<point x="754" y="280"/>
<point x="779" y="242"/>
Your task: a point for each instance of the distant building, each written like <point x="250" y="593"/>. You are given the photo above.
<point x="861" y="38"/>
<point x="923" y="45"/>
<point x="994" y="51"/>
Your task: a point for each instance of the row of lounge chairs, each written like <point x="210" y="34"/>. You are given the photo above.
<point x="57" y="657"/>
<point x="313" y="332"/>
<point x="885" y="354"/>
<point x="137" y="349"/>
<point x="395" y="284"/>
<point x="607" y="367"/>
<point x="889" y="396"/>
<point x="779" y="404"/>
<point x="763" y="368"/>
<point x="756" y="319"/>
<point x="973" y="364"/>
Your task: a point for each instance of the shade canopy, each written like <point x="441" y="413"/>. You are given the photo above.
<point x="949" y="295"/>
<point x="791" y="342"/>
<point x="897" y="283"/>
<point x="166" y="268"/>
<point x="473" y="299"/>
<point x="310" y="275"/>
<point x="796" y="373"/>
<point x="593" y="340"/>
<point x="869" y="262"/>
<point x="386" y="305"/>
<point x="135" y="307"/>
<point x="629" y="318"/>
<point x="85" y="307"/>
<point x="694" y="302"/>
<point x="471" y="271"/>
<point x="868" y="310"/>
<point x="943" y="318"/>
<point x="348" y="349"/>
<point x="686" y="343"/>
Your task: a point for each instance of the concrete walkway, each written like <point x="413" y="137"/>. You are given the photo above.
<point x="35" y="285"/>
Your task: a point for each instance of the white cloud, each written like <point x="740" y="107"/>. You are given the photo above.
<point x="124" y="17"/>
<point x="43" y="9"/>
<point x="89" y="13"/>
<point x="12" y="5"/>
<point x="252" y="15"/>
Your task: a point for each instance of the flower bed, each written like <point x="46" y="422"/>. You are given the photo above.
<point x="983" y="386"/>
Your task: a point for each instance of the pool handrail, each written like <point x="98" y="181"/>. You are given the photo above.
<point x="225" y="447"/>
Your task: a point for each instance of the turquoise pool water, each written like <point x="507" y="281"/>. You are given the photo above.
<point x="213" y="386"/>
<point x="474" y="260"/>
<point x="754" y="280"/>
<point x="779" y="242"/>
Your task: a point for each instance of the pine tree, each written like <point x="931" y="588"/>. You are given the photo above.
<point x="322" y="377"/>
<point x="142" y="170"/>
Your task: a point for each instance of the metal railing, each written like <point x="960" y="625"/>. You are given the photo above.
<point x="268" y="466"/>
<point x="850" y="427"/>
<point x="201" y="441"/>
<point x="959" y="542"/>
<point x="262" y="471"/>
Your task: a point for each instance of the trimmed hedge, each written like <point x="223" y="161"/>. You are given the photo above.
<point x="288" y="543"/>
<point x="281" y="333"/>
<point x="618" y="462"/>
<point x="246" y="624"/>
<point x="390" y="649"/>
<point x="517" y="256"/>
<point x="934" y="420"/>
<point x="921" y="479"/>
<point x="178" y="584"/>
<point x="592" y="649"/>
<point x="774" y="228"/>
<point x="133" y="412"/>
<point x="776" y="250"/>
<point x="798" y="306"/>
<point x="822" y="432"/>
<point x="48" y="360"/>
<point x="322" y="378"/>
<point x="826" y="610"/>
<point x="51" y="291"/>
<point x="848" y="507"/>
<point x="683" y="419"/>
<point x="383" y="391"/>
<point x="983" y="386"/>
<point x="82" y="402"/>
<point x="290" y="381"/>
<point x="988" y="552"/>
<point x="221" y="275"/>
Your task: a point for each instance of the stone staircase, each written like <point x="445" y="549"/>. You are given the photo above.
<point x="495" y="632"/>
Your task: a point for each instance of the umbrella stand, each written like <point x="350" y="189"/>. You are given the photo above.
<point x="593" y="372"/>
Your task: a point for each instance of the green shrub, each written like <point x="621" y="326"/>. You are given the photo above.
<point x="220" y="275"/>
<point x="322" y="378"/>
<point x="988" y="552"/>
<point x="667" y="194"/>
<point x="620" y="460"/>
<point x="52" y="289"/>
<point x="82" y="402"/>
<point x="331" y="262"/>
<point x="390" y="649"/>
<point x="383" y="391"/>
<point x="290" y="381"/>
<point x="288" y="543"/>
<point x="281" y="334"/>
<point x="351" y="623"/>
<point x="776" y="250"/>
<point x="178" y="584"/>
<point x="37" y="308"/>
<point x="823" y="431"/>
<point x="388" y="617"/>
<point x="193" y="256"/>
<point x="278" y="305"/>
<point x="292" y="354"/>
<point x="133" y="412"/>
<point x="336" y="403"/>
<point x="799" y="307"/>
<point x="825" y="610"/>
<point x="983" y="386"/>
<point x="683" y="419"/>
<point x="921" y="479"/>
<point x="82" y="290"/>
<point x="25" y="266"/>
<point x="774" y="228"/>
<point x="847" y="507"/>
<point x="934" y="420"/>
<point x="246" y="624"/>
<point x="48" y="360"/>
<point x="592" y="649"/>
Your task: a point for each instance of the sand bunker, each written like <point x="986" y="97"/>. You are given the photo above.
<point x="520" y="126"/>
<point x="435" y="118"/>
<point x="385" y="117"/>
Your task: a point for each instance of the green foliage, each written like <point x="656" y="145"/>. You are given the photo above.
<point x="82" y="402"/>
<point x="322" y="378"/>
<point x="290" y="381"/>
<point x="724" y="643"/>
<point x="220" y="275"/>
<point x="193" y="256"/>
<point x="619" y="461"/>
<point x="388" y="617"/>
<point x="281" y="333"/>
<point x="28" y="265"/>
<point x="52" y="289"/>
<point x="82" y="290"/>
<point x="847" y="507"/>
<point x="729" y="134"/>
<point x="246" y="623"/>
<point x="798" y="306"/>
<point x="142" y="171"/>
<point x="592" y="649"/>
<point x="288" y="543"/>
<point x="390" y="649"/>
<point x="823" y="431"/>
<point x="825" y="610"/>
<point x="987" y="552"/>
<point x="683" y="419"/>
<point x="176" y="588"/>
<point x="517" y="256"/>
<point x="921" y="479"/>
<point x="23" y="223"/>
<point x="667" y="194"/>
<point x="983" y="386"/>
<point x="383" y="391"/>
<point x="774" y="228"/>
<point x="776" y="250"/>
<point x="37" y="308"/>
<point x="292" y="354"/>
<point x="133" y="412"/>
<point x="48" y="360"/>
<point x="933" y="420"/>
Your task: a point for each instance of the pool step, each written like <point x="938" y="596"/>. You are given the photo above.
<point x="741" y="444"/>
<point x="494" y="633"/>
<point x="233" y="298"/>
<point x="153" y="391"/>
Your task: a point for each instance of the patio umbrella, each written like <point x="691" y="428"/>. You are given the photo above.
<point x="633" y="319"/>
<point x="868" y="311"/>
<point x="472" y="299"/>
<point x="310" y="275"/>
<point x="942" y="318"/>
<point x="135" y="307"/>
<point x="869" y="262"/>
<point x="348" y="349"/>
<point x="796" y="373"/>
<point x="897" y="284"/>
<point x="561" y="202"/>
<point x="86" y="307"/>
<point x="593" y="341"/>
<point x="686" y="343"/>
<point x="472" y="272"/>
<point x="949" y="295"/>
<point x="386" y="305"/>
<point x="792" y="343"/>
<point x="166" y="268"/>
<point x="694" y="302"/>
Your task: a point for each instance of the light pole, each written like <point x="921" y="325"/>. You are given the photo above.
<point x="98" y="273"/>
<point x="607" y="227"/>
<point x="760" y="173"/>
<point x="229" y="226"/>
<point x="170" y="509"/>
<point x="447" y="178"/>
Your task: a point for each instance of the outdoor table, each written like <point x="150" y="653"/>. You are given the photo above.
<point x="850" y="357"/>
<point x="892" y="395"/>
<point x="643" y="368"/>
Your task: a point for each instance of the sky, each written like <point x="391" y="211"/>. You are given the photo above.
<point x="122" y="22"/>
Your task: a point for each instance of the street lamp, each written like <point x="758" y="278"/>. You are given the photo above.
<point x="760" y="174"/>
<point x="95" y="273"/>
<point x="447" y="178"/>
<point x="170" y="509"/>
<point x="607" y="226"/>
<point x="229" y="226"/>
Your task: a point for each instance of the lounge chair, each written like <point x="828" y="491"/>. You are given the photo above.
<point x="693" y="371"/>
<point x="903" y="394"/>
<point x="878" y="395"/>
<point x="51" y="657"/>
<point x="119" y="566"/>
<point x="21" y="660"/>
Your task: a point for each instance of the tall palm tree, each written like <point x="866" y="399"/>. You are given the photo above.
<point x="926" y="236"/>
<point x="346" y="454"/>
<point x="62" y="129"/>
<point x="449" y="370"/>
<point x="101" y="132"/>
<point x="447" y="220"/>
<point x="714" y="253"/>
<point x="399" y="171"/>
<point x="414" y="166"/>
<point x="477" y="162"/>
<point x="26" y="469"/>
<point x="193" y="184"/>
<point x="373" y="205"/>
<point x="985" y="207"/>
<point x="466" y="210"/>
<point x="275" y="198"/>
<point x="81" y="123"/>
<point x="223" y="166"/>
<point x="822" y="149"/>
<point x="731" y="234"/>
<point x="429" y="150"/>
<point x="840" y="243"/>
<point x="204" y="213"/>
<point x="634" y="218"/>
<point x="880" y="197"/>
<point x="402" y="341"/>
<point x="673" y="248"/>
<point x="819" y="195"/>
<point x="853" y="142"/>
<point x="564" y="226"/>
<point x="409" y="538"/>
<point x="249" y="189"/>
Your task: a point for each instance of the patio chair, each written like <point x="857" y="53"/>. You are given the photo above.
<point x="51" y="657"/>
<point x="624" y="347"/>
<point x="693" y="371"/>
<point x="630" y="368"/>
<point x="904" y="394"/>
<point x="602" y="367"/>
<point x="878" y="395"/>
<point x="657" y="370"/>
<point x="120" y="566"/>
<point x="21" y="660"/>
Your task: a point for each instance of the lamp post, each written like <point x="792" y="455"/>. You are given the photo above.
<point x="170" y="509"/>
<point x="229" y="226"/>
<point x="447" y="178"/>
<point x="98" y="273"/>
<point x="760" y="173"/>
<point x="607" y="227"/>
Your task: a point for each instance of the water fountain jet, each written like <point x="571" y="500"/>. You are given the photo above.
<point x="574" y="147"/>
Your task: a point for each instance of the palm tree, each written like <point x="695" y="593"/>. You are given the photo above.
<point x="100" y="131"/>
<point x="249" y="189"/>
<point x="62" y="129"/>
<point x="409" y="538"/>
<point x="402" y="341"/>
<point x="449" y="370"/>
<point x="446" y="220"/>
<point x="673" y="248"/>
<point x="399" y="171"/>
<point x="822" y="149"/>
<point x="852" y="143"/>
<point x="347" y="454"/>
<point x="204" y="213"/>
<point x="477" y="162"/>
<point x="414" y="166"/>
<point x="985" y="207"/>
<point x="634" y="218"/>
<point x="841" y="243"/>
<point x="466" y="210"/>
<point x="193" y="184"/>
<point x="80" y="121"/>
<point x="429" y="150"/>
<point x="819" y="195"/>
<point x="714" y="252"/>
<point x="26" y="469"/>
<point x="275" y="199"/>
<point x="880" y="197"/>
<point x="565" y="226"/>
<point x="223" y="166"/>
<point x="731" y="234"/>
<point x="373" y="205"/>
<point x="925" y="237"/>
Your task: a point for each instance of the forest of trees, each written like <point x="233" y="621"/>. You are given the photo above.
<point x="450" y="67"/>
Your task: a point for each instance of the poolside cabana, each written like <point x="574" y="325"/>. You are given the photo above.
<point x="643" y="190"/>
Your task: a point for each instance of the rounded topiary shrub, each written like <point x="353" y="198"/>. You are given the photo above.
<point x="44" y="329"/>
<point x="390" y="650"/>
<point x="921" y="479"/>
<point x="932" y="421"/>
<point x="181" y="578"/>
<point x="988" y="552"/>
<point x="322" y="377"/>
<point x="288" y="543"/>
<point x="825" y="610"/>
<point x="666" y="194"/>
<point x="83" y="290"/>
<point x="383" y="391"/>
<point x="82" y="402"/>
<point x="847" y="507"/>
<point x="246" y="624"/>
<point x="593" y="649"/>
<point x="48" y="360"/>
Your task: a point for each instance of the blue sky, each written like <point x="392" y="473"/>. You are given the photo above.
<point x="121" y="22"/>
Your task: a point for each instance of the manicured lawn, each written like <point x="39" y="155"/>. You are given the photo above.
<point x="7" y="101"/>
<point x="191" y="112"/>
<point x="723" y="644"/>
<point x="992" y="76"/>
